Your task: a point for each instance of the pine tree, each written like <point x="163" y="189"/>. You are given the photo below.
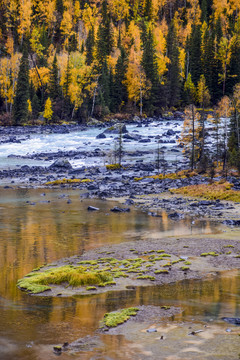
<point x="194" y="46"/>
<point x="66" y="84"/>
<point x="53" y="85"/>
<point x="90" y="43"/>
<point x="20" y="106"/>
<point x="104" y="36"/>
<point x="204" y="100"/>
<point x="119" y="93"/>
<point x="149" y="64"/>
<point x="35" y="106"/>
<point x="173" y="76"/>
<point x="104" y="89"/>
<point x="148" y="11"/>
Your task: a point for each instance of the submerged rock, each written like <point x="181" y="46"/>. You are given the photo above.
<point x="231" y="222"/>
<point x="118" y="209"/>
<point x="234" y="321"/>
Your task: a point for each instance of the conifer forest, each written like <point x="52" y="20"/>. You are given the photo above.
<point x="70" y="59"/>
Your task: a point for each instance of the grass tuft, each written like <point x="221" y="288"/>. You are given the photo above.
<point x="116" y="318"/>
<point x="74" y="276"/>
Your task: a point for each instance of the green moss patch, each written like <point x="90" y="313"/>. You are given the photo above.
<point x="38" y="282"/>
<point x="211" y="253"/>
<point x="116" y="318"/>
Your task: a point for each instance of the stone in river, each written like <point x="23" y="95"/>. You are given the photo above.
<point x="61" y="163"/>
<point x="93" y="208"/>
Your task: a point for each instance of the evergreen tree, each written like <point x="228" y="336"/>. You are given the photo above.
<point x="60" y="7"/>
<point x="216" y="91"/>
<point x="104" y="89"/>
<point x="173" y="76"/>
<point x="148" y="10"/>
<point x="66" y="84"/>
<point x="234" y="67"/>
<point x="119" y="93"/>
<point x="35" y="106"/>
<point x="20" y="105"/>
<point x="53" y="85"/>
<point x="208" y="61"/>
<point x="194" y="46"/>
<point x="149" y="64"/>
<point x="104" y="36"/>
<point x="90" y="43"/>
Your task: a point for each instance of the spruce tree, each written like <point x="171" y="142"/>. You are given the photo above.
<point x="20" y="105"/>
<point x="104" y="88"/>
<point x="149" y="64"/>
<point x="119" y="93"/>
<point x="104" y="36"/>
<point x="194" y="51"/>
<point x="53" y="85"/>
<point x="216" y="91"/>
<point x="90" y="43"/>
<point x="173" y="76"/>
<point x="66" y="84"/>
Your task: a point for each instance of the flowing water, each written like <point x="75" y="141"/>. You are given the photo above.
<point x="86" y="141"/>
<point x="41" y="226"/>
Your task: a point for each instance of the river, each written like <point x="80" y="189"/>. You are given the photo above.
<point x="40" y="226"/>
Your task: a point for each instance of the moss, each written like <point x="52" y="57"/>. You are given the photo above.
<point x="146" y="277"/>
<point x="89" y="288"/>
<point x="110" y="283"/>
<point x="228" y="253"/>
<point x="228" y="246"/>
<point x="112" y="167"/>
<point x="237" y="256"/>
<point x="74" y="276"/>
<point x="88" y="262"/>
<point x="165" y="307"/>
<point x="184" y="268"/>
<point x="211" y="253"/>
<point x="187" y="263"/>
<point x="114" y="319"/>
<point x="161" y="272"/>
<point x="68" y="181"/>
<point x="160" y="251"/>
<point x="176" y="261"/>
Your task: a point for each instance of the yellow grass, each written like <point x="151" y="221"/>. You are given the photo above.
<point x="174" y="176"/>
<point x="221" y="191"/>
<point x="68" y="181"/>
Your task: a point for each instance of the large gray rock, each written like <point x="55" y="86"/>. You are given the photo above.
<point x="61" y="164"/>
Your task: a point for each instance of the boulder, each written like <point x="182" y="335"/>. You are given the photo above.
<point x="101" y="136"/>
<point x="93" y="208"/>
<point x="118" y="209"/>
<point x="62" y="164"/>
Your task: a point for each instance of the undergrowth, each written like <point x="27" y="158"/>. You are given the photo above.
<point x="221" y="191"/>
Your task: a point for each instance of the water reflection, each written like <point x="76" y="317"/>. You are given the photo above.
<point x="36" y="229"/>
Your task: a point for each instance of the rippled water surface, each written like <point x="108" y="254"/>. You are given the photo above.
<point x="37" y="229"/>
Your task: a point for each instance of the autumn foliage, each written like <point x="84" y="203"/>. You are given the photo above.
<point x="98" y="57"/>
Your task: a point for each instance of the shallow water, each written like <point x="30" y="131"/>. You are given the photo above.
<point x="34" y="231"/>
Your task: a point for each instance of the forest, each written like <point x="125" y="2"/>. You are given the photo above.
<point x="63" y="60"/>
